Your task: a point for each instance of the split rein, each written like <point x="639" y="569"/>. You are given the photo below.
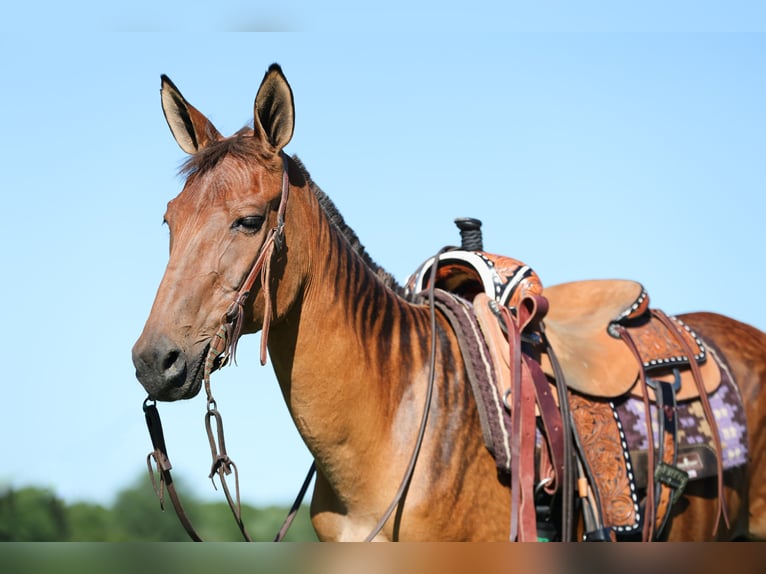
<point x="222" y="350"/>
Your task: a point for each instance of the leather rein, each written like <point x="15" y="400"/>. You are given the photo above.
<point x="222" y="350"/>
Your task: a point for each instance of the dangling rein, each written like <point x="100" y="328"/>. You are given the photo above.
<point x="222" y="350"/>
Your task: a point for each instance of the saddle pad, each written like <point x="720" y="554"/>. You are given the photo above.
<point x="495" y="419"/>
<point x="696" y="451"/>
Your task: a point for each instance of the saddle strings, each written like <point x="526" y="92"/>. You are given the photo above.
<point x="649" y="507"/>
<point x="721" y="511"/>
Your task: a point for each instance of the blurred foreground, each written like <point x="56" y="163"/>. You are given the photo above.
<point x="37" y="515"/>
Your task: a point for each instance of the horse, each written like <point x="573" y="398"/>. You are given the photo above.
<point x="255" y="242"/>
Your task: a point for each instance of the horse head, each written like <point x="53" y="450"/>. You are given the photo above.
<point x="230" y="208"/>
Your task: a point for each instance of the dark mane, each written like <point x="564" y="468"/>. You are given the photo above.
<point x="336" y="219"/>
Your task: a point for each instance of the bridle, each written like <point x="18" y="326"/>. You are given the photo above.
<point x="222" y="351"/>
<point x="224" y="345"/>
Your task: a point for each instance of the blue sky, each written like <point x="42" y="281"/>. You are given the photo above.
<point x="592" y="143"/>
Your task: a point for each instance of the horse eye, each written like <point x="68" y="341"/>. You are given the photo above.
<point x="249" y="224"/>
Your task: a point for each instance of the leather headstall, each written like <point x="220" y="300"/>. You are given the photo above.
<point x="222" y="350"/>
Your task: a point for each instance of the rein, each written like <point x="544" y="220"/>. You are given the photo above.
<point x="401" y="492"/>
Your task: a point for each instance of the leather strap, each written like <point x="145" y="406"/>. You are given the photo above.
<point x="721" y="511"/>
<point x="526" y="383"/>
<point x="568" y="443"/>
<point x="296" y="504"/>
<point x="222" y="464"/>
<point x="551" y="417"/>
<point x="532" y="309"/>
<point x="649" y="504"/>
<point x="523" y="526"/>
<point x="274" y="241"/>
<point x="160" y="457"/>
<point x="663" y="479"/>
<point x="666" y="474"/>
<point x="398" y="501"/>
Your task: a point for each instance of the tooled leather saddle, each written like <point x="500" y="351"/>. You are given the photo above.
<point x="603" y="379"/>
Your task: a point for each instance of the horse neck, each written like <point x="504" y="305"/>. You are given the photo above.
<point x="348" y="350"/>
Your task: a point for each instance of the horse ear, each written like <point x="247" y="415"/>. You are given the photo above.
<point x="190" y="128"/>
<point x="274" y="115"/>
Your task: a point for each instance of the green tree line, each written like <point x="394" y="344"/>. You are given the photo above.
<point x="33" y="514"/>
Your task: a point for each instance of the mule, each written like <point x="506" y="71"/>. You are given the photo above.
<point x="351" y="352"/>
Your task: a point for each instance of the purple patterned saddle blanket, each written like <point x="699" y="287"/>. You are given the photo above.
<point x="696" y="453"/>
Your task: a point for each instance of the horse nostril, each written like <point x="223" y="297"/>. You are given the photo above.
<point x="174" y="368"/>
<point x="170" y="359"/>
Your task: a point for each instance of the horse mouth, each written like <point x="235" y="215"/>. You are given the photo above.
<point x="196" y="375"/>
<point x="193" y="383"/>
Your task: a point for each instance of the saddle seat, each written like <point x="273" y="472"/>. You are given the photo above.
<point x="581" y="327"/>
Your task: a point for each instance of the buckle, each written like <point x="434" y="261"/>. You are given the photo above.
<point x="673" y="477"/>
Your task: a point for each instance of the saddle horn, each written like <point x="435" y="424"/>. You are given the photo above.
<point x="470" y="234"/>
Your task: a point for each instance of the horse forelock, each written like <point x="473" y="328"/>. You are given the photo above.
<point x="224" y="167"/>
<point x="241" y="146"/>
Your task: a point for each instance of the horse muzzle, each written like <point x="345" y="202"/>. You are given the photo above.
<point x="166" y="371"/>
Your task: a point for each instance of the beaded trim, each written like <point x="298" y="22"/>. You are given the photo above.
<point x="614" y="324"/>
<point x="497" y="283"/>
<point x="680" y="359"/>
<point x="631" y="477"/>
<point x="636" y="304"/>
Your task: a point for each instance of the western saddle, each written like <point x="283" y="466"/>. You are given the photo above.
<point x="559" y="357"/>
